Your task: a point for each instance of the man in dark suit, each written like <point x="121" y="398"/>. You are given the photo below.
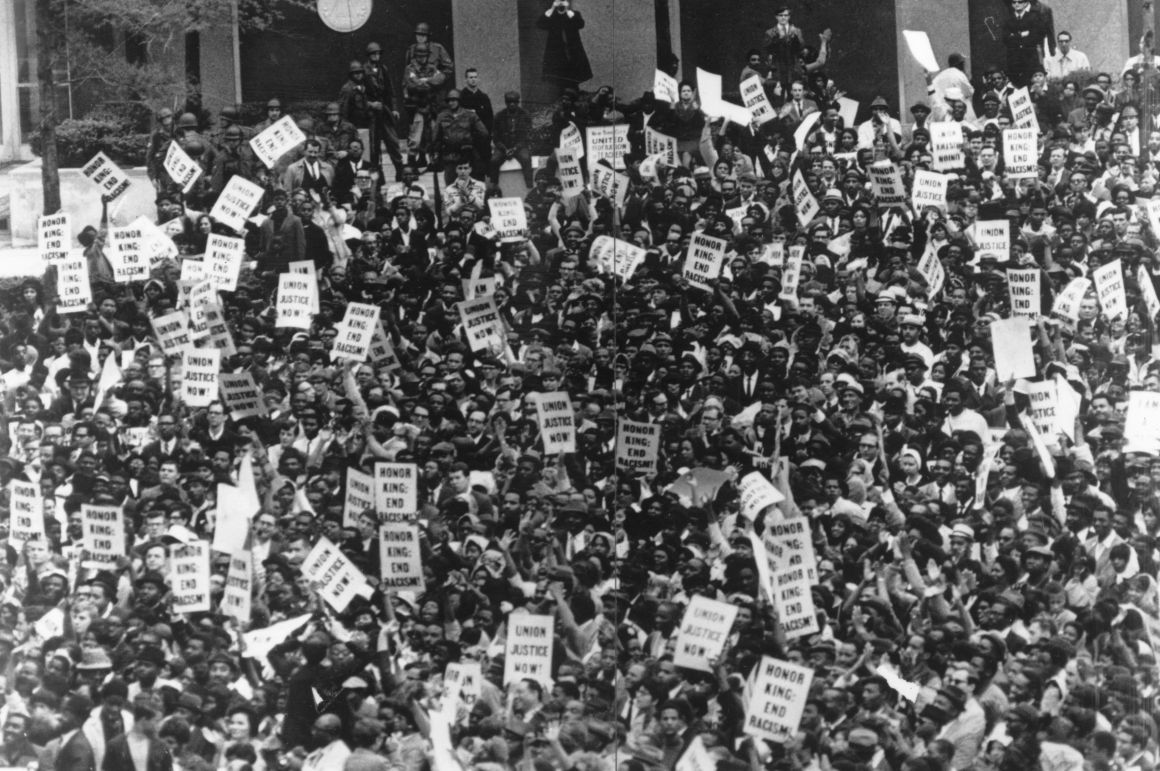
<point x="168" y="444"/>
<point x="140" y="741"/>
<point x="349" y="171"/>
<point x="71" y="750"/>
<point x="1023" y="33"/>
<point x="282" y="239"/>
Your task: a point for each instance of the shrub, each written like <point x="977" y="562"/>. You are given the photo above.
<point x="78" y="141"/>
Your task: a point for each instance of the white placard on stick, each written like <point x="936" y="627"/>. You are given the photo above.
<point x="777" y="699"/>
<point x="106" y="175"/>
<point x="189" y="577"/>
<point x="223" y="261"/>
<point x="794" y="602"/>
<point x="278" y="139"/>
<point x="572" y="141"/>
<point x="886" y="184"/>
<point x="103" y="536"/>
<point x="337" y="578"/>
<point x="1109" y="283"/>
<point x="1142" y="427"/>
<point x="557" y="422"/>
<point x="53" y="232"/>
<point x="704" y="261"/>
<point x="27" y="513"/>
<point x="396" y="487"/>
<point x="1011" y="342"/>
<point x="930" y="189"/>
<point x="932" y="271"/>
<point x="509" y="218"/>
<point x="172" y="332"/>
<point x="294" y="295"/>
<point x="703" y="632"/>
<point x="73" y="288"/>
<point x="946" y="143"/>
<point x="182" y="169"/>
<point x="608" y="143"/>
<point x="637" y="446"/>
<point x="242" y="395"/>
<point x="401" y="562"/>
<point x="570" y="173"/>
<point x="610" y="184"/>
<point x="993" y="237"/>
<point x="757" y="494"/>
<point x="1023" y="287"/>
<point x="238" y="598"/>
<point x="358" y="497"/>
<point x="656" y="143"/>
<point x="199" y="376"/>
<point x="528" y="650"/>
<point x="804" y="202"/>
<point x="665" y="88"/>
<point x="620" y="258"/>
<point x="356" y="332"/>
<point x="1019" y="153"/>
<point x="755" y="99"/>
<point x="1022" y="110"/>
<point x="919" y="44"/>
<point x="482" y="324"/>
<point x="237" y="202"/>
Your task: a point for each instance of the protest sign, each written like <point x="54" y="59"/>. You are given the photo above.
<point x="294" y="295"/>
<point x="790" y="544"/>
<point x="73" y="289"/>
<point x="219" y="332"/>
<point x="1011" y="341"/>
<point x="1148" y="291"/>
<point x="777" y="699"/>
<point x="381" y="352"/>
<point x="242" y="395"/>
<point x="1109" y="283"/>
<point x="665" y="88"/>
<point x="278" y="139"/>
<point x="703" y="263"/>
<point x="182" y="169"/>
<point x="570" y="174"/>
<point x="886" y="184"/>
<point x="932" y="271"/>
<point x="1044" y="398"/>
<point x="794" y="602"/>
<point x="223" y="261"/>
<point x="189" y="577"/>
<point x="528" y="650"/>
<point x="103" y="536"/>
<point x="259" y="642"/>
<point x="509" y="218"/>
<point x="620" y="258"/>
<point x="193" y="271"/>
<point x="201" y="297"/>
<point x="482" y="324"/>
<point x="199" y="376"/>
<point x="1022" y="110"/>
<point x="919" y="44"/>
<point x="657" y="143"/>
<point x="336" y="577"/>
<point x="804" y="202"/>
<point x="637" y="446"/>
<point x="610" y="184"/>
<point x="237" y="202"/>
<point x="993" y="237"/>
<point x="1019" y="153"/>
<point x="234" y="509"/>
<point x="396" y="491"/>
<point x="606" y="143"/>
<point x="359" y="496"/>
<point x="930" y="189"/>
<point x="156" y="244"/>
<point x="757" y="494"/>
<point x="237" y="600"/>
<point x="106" y="175"/>
<point x="462" y="686"/>
<point x="572" y="141"/>
<point x="1023" y="287"/>
<point x="26" y="522"/>
<point x="946" y="143"/>
<point x="848" y="112"/>
<point x="773" y="254"/>
<point x="400" y="561"/>
<point x="53" y="233"/>
<point x="172" y="332"/>
<point x="703" y="632"/>
<point x="306" y="268"/>
<point x="557" y="422"/>
<point x="1142" y="426"/>
<point x="756" y="101"/>
<point x="791" y="276"/>
<point x="355" y="332"/>
<point x="1067" y="302"/>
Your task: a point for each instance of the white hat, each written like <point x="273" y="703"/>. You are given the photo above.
<point x="954" y="94"/>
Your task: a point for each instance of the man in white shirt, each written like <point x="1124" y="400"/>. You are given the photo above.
<point x="953" y="77"/>
<point x="1065" y="60"/>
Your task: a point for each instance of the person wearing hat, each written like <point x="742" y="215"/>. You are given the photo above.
<point x="455" y="129"/>
<point x="511" y="139"/>
<point x="881" y="125"/>
<point x="159" y="139"/>
<point x="233" y="158"/>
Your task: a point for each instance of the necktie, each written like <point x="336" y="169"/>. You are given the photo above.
<point x="798" y="107"/>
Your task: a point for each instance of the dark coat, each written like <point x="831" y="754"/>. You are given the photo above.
<point x="565" y="60"/>
<point x="118" y="757"/>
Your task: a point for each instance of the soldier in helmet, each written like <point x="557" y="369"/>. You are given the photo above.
<point x="353" y="105"/>
<point x="273" y="115"/>
<point x="422" y="82"/>
<point x="234" y="157"/>
<point x="197" y="147"/>
<point x="435" y="52"/>
<point x="456" y="128"/>
<point x="384" y="110"/>
<point x="229" y="116"/>
<point x="336" y="133"/>
<point x="158" y="145"/>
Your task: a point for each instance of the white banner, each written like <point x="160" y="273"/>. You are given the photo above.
<point x="103" y="536"/>
<point x="277" y="140"/>
<point x="482" y="324"/>
<point x="528" y="650"/>
<point x="294" y="295"/>
<point x="704" y="261"/>
<point x="703" y="632"/>
<point x="1109" y="283"/>
<point x="199" y="376"/>
<point x="933" y="272"/>
<point x="53" y="233"/>
<point x="1019" y="153"/>
<point x="1023" y="286"/>
<point x="75" y="292"/>
<point x="930" y="189"/>
<point x="242" y="395"/>
<point x="557" y="422"/>
<point x="223" y="261"/>
<point x="610" y="184"/>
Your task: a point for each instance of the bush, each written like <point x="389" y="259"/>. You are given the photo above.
<point x="78" y="141"/>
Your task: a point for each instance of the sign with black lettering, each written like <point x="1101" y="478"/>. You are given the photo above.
<point x="336" y="577"/>
<point x="557" y="422"/>
<point x="73" y="288"/>
<point x="509" y="218"/>
<point x="106" y="175"/>
<point x="103" y="536"/>
<point x="359" y="496"/>
<point x="241" y="395"/>
<point x="703" y="632"/>
<point x="238" y="598"/>
<point x="777" y="699"/>
<point x="355" y="332"/>
<point x="396" y="491"/>
<point x="704" y="261"/>
<point x="637" y="446"/>
<point x="189" y="578"/>
<point x="528" y="651"/>
<point x="26" y="522"/>
<point x="52" y="237"/>
<point x="199" y="376"/>
<point x="482" y="324"/>
<point x="278" y="139"/>
<point x="401" y="562"/>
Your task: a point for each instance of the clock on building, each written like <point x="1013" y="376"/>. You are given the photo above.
<point x="344" y="15"/>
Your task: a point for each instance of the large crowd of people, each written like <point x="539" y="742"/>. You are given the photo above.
<point x="797" y="326"/>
